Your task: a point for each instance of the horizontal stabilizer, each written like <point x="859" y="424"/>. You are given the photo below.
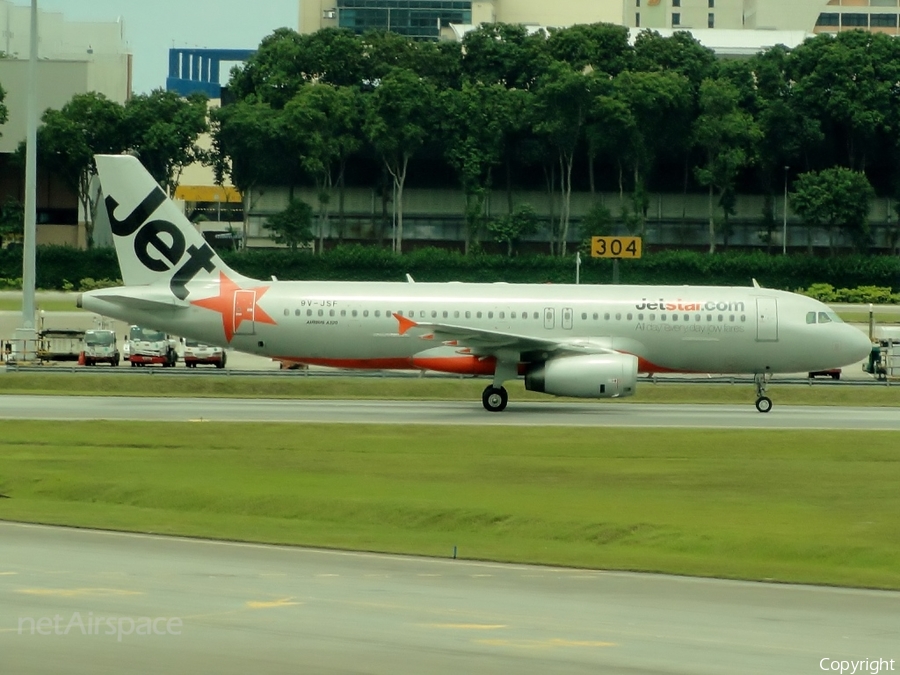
<point x="138" y="297"/>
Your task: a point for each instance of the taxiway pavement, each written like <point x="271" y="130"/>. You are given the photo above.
<point x="548" y="413"/>
<point x="266" y="609"/>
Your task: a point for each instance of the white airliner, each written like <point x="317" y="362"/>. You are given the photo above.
<point x="583" y="341"/>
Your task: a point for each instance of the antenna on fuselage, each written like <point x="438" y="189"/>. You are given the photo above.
<point x="409" y="279"/>
<point x="756" y="284"/>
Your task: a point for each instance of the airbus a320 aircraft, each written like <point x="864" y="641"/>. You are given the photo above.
<point x="582" y="341"/>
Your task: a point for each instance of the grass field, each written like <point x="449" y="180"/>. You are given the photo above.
<point x="296" y="385"/>
<point x="15" y="305"/>
<point x="804" y="506"/>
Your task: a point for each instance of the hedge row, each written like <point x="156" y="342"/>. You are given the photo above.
<point x="63" y="267"/>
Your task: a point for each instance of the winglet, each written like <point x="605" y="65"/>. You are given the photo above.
<point x="405" y="323"/>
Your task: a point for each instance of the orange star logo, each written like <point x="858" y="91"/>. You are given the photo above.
<point x="236" y="305"/>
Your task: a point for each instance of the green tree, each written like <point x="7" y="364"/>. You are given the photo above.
<point x="89" y="124"/>
<point x="400" y="117"/>
<point x="162" y="128"/>
<point x="562" y="103"/>
<point x="848" y="84"/>
<point x="293" y="226"/>
<point x="4" y="111"/>
<point x="647" y="119"/>
<point x="597" y="46"/>
<point x="726" y="135"/>
<point x="838" y="199"/>
<point x="322" y="122"/>
<point x="12" y="220"/>
<point x="474" y="124"/>
<point x="505" y="54"/>
<point x="510" y="229"/>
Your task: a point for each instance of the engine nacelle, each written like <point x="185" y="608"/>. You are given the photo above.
<point x="587" y="376"/>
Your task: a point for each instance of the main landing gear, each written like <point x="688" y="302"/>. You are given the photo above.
<point x="763" y="402"/>
<point x="494" y="398"/>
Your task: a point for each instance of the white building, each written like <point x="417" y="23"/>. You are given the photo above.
<point x="427" y="16"/>
<point x="74" y="58"/>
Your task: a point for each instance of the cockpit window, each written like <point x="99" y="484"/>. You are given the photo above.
<point x="824" y="318"/>
<point x="810" y="317"/>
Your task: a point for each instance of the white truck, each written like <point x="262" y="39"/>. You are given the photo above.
<point x="100" y="346"/>
<point x="196" y="352"/>
<point x="149" y="346"/>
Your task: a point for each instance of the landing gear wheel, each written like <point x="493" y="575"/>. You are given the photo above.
<point x="494" y="398"/>
<point x="764" y="404"/>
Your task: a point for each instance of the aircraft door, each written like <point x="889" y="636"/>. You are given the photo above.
<point x="244" y="316"/>
<point x="567" y="318"/>
<point x="549" y="318"/>
<point x="766" y="319"/>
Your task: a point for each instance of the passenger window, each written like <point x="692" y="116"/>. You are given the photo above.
<point x="596" y="316"/>
<point x="512" y="315"/>
<point x="445" y="314"/>
<point x="502" y="315"/>
<point x="743" y="318"/>
<point x="478" y="315"/>
<point x="456" y="314"/>
<point x="422" y="314"/>
<point x="365" y="312"/>
<point x="709" y="317"/>
<point x="687" y="317"/>
<point x="674" y="317"/>
<point x="353" y="312"/>
<point x="618" y="317"/>
<point x="810" y="317"/>
<point x="331" y="312"/>
<point x="640" y="317"/>
<point x="468" y="315"/>
<point x="378" y="313"/>
<point x="721" y="318"/>
<point x="490" y="315"/>
<point x="662" y="317"/>
<point x="824" y="318"/>
<point x="343" y="312"/>
<point x="629" y="316"/>
<point x="731" y="318"/>
<point x="433" y="314"/>
<point x="537" y="316"/>
<point x="584" y="316"/>
<point x="697" y="317"/>
<point x="653" y="317"/>
<point x="309" y="312"/>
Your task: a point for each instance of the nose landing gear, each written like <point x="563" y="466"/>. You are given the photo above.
<point x="763" y="402"/>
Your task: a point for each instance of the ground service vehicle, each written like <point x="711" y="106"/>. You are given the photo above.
<point x="100" y="346"/>
<point x="146" y="345"/>
<point x="582" y="341"/>
<point x="196" y="352"/>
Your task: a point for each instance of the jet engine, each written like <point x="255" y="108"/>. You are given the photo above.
<point x="587" y="376"/>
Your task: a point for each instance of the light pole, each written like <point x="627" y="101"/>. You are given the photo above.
<point x="784" y="209"/>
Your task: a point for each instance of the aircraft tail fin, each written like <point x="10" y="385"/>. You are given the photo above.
<point x="155" y="242"/>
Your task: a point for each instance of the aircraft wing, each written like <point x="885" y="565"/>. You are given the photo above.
<point x="487" y="342"/>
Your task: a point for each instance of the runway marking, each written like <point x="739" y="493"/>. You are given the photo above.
<point x="478" y="576"/>
<point x="272" y="604"/>
<point x="77" y="592"/>
<point x="328" y="575"/>
<point x="422" y="574"/>
<point x="468" y="626"/>
<point x="7" y="574"/>
<point x="543" y="644"/>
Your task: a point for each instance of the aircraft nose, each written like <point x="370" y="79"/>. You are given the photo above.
<point x="858" y="344"/>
